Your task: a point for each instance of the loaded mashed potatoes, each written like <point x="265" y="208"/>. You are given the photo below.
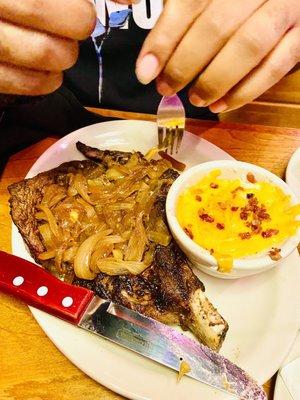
<point x="233" y="219"/>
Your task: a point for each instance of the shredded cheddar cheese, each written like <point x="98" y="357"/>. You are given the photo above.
<point x="184" y="369"/>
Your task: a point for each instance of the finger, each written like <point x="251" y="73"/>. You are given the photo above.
<point x="278" y="63"/>
<point x="27" y="82"/>
<point x="74" y="19"/>
<point x="202" y="42"/>
<point x="127" y="1"/>
<point x="243" y="52"/>
<point x="164" y="37"/>
<point x="37" y="50"/>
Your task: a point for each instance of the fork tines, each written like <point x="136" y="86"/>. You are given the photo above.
<point x="168" y="138"/>
<point x="171" y="123"/>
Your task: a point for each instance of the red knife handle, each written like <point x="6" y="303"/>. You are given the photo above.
<point x="36" y="287"/>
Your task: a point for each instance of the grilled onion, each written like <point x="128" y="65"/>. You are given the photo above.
<point x="46" y="255"/>
<point x="111" y="266"/>
<point x="80" y="184"/>
<point x="104" y="220"/>
<point x="48" y="238"/>
<point x="84" y="253"/>
<point x="137" y="241"/>
<point x="52" y="221"/>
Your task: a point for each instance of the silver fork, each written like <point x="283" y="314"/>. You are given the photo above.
<point x="170" y="123"/>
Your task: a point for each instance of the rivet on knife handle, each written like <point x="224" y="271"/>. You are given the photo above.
<point x="39" y="289"/>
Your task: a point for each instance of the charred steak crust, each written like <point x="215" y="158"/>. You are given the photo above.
<point x="106" y="156"/>
<point x="27" y="194"/>
<point x="168" y="290"/>
<point x="161" y="291"/>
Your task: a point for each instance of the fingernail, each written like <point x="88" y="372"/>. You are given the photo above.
<point x="164" y="88"/>
<point x="218" y="106"/>
<point x="147" y="69"/>
<point x="196" y="100"/>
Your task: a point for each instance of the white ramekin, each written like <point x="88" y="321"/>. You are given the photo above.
<point x="199" y="256"/>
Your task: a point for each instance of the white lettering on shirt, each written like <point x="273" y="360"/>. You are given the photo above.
<point x="139" y="12"/>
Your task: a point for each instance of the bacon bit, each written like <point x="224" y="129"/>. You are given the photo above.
<point x="255" y="226"/>
<point x="250" y="195"/>
<point x="253" y="201"/>
<point x="222" y="205"/>
<point x="234" y="208"/>
<point x="263" y="215"/>
<point x="220" y="226"/>
<point x="198" y="197"/>
<point x="244" y="215"/>
<point x="239" y="188"/>
<point x="251" y="178"/>
<point x="274" y="254"/>
<point x="253" y="205"/>
<point x="188" y="232"/>
<point x="214" y="185"/>
<point x="258" y="211"/>
<point x="245" y="235"/>
<point x="256" y="229"/>
<point x="269" y="233"/>
<point x="206" y="218"/>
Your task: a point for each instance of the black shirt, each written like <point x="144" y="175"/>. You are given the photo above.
<point x="104" y="76"/>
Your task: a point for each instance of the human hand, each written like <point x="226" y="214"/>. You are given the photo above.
<point x="232" y="50"/>
<point x="38" y="40"/>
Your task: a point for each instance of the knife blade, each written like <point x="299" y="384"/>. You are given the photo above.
<point x="148" y="337"/>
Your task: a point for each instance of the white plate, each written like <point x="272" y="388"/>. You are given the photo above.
<point x="259" y="309"/>
<point x="281" y="391"/>
<point x="293" y="172"/>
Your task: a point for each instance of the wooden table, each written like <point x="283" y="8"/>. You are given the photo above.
<point x="31" y="368"/>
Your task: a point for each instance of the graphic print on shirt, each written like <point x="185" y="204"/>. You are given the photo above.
<point x="117" y="19"/>
<point x="113" y="15"/>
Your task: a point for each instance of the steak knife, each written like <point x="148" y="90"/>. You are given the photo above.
<point x="36" y="287"/>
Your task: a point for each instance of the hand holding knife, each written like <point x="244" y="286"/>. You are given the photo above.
<point x="152" y="339"/>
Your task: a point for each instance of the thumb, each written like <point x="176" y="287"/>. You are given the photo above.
<point x="173" y="23"/>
